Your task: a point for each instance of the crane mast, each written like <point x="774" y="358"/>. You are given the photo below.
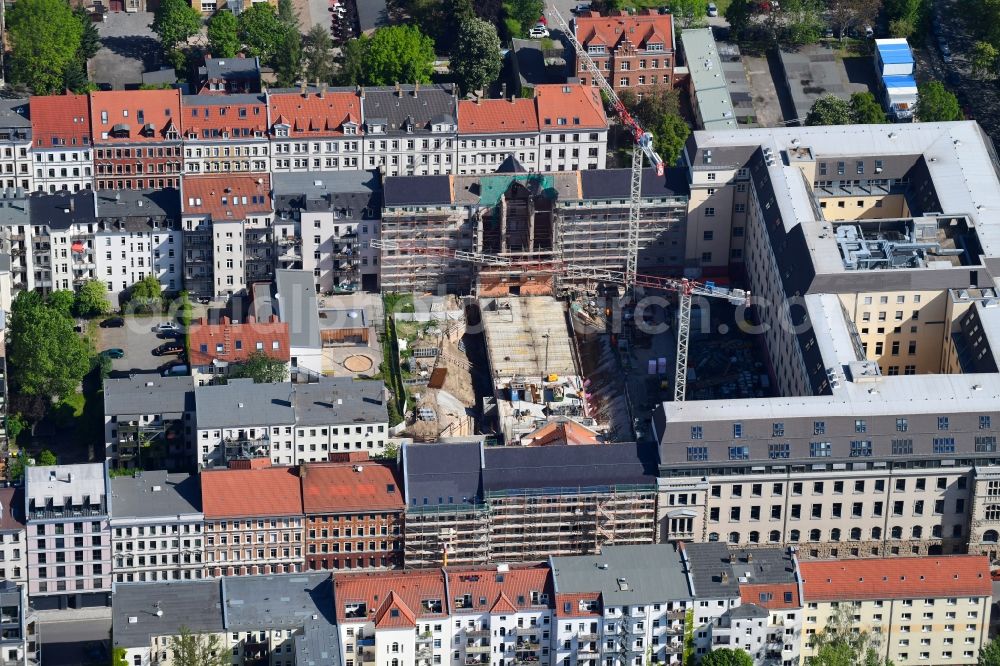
<point x="643" y="141"/>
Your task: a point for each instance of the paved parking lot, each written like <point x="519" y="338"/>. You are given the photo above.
<point x="138" y="340"/>
<point x="128" y="48"/>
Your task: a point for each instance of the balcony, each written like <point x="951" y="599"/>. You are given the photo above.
<point x="527" y="631"/>
<point x="244" y="448"/>
<point x="475" y="661"/>
<point x="475" y="648"/>
<point x="527" y="646"/>
<point x="477" y="633"/>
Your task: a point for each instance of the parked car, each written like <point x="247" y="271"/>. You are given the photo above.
<point x="582" y="8"/>
<point x="168" y="348"/>
<point x="945" y="52"/>
<point x="167" y="327"/>
<point x="869" y="32"/>
<point x="538" y="32"/>
<point x="177" y="370"/>
<point x="713" y="9"/>
<point x="113" y="322"/>
<point x="204" y="300"/>
<point x="114" y="352"/>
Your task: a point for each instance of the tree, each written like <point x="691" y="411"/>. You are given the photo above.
<point x="91" y="299"/>
<point x="739" y="15"/>
<point x="61" y="301"/>
<point x="475" y="58"/>
<point x="906" y="14"/>
<point x="222" y="38"/>
<point x="935" y="103"/>
<point x="829" y="110"/>
<point x="670" y="134"/>
<point x="46" y="457"/>
<point x="690" y="13"/>
<point x="801" y="21"/>
<point x="659" y="102"/>
<point x="287" y="59"/>
<point x="145" y="295"/>
<point x="521" y="15"/>
<point x="45" y="37"/>
<point x="726" y="657"/>
<point x="261" y="31"/>
<point x="261" y="368"/>
<point x="317" y="52"/>
<point x="352" y="70"/>
<point x="175" y="22"/>
<point x="119" y="657"/>
<point x="47" y="357"/>
<point x="901" y="27"/>
<point x="865" y="109"/>
<point x="192" y="649"/>
<point x="15" y="426"/>
<point x="75" y="77"/>
<point x="853" y="14"/>
<point x="989" y="654"/>
<point x="287" y="14"/>
<point x="841" y="644"/>
<point x="398" y="54"/>
<point x="90" y="39"/>
<point x="983" y="60"/>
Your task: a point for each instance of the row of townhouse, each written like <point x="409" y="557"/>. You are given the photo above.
<point x="628" y="605"/>
<point x="171" y="422"/>
<point x="151" y="138"/>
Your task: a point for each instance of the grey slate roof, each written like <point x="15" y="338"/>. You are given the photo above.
<point x="228" y="99"/>
<point x="278" y="602"/>
<point x="617" y="183"/>
<point x="747" y="611"/>
<point x="242" y="403"/>
<point x="707" y="561"/>
<point x="328" y="190"/>
<point x="624" y="575"/>
<point x="192" y="604"/>
<point x="435" y="473"/>
<point x="14" y="117"/>
<point x="417" y="190"/>
<point x="340" y="400"/>
<point x="230" y="69"/>
<point x="13" y="208"/>
<point x="146" y="203"/>
<point x="517" y="467"/>
<point x="298" y="307"/>
<point x="170" y="397"/>
<point x="421" y="106"/>
<point x="61" y="209"/>
<point x="156" y="493"/>
<point x="160" y="76"/>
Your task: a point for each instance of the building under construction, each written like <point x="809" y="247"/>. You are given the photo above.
<point x="470" y="504"/>
<point x="536" y="221"/>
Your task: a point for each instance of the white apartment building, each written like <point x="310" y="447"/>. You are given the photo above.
<point x="156" y="529"/>
<point x="16" y="169"/>
<point x="933" y="610"/>
<point x="62" y="151"/>
<point x="225" y="133"/>
<point x="491" y="130"/>
<point x="573" y="128"/>
<point x="13" y="545"/>
<point x="69" y="542"/>
<point x="289" y="423"/>
<point x="410" y="130"/>
<point x="315" y="130"/>
<point x="629" y="602"/>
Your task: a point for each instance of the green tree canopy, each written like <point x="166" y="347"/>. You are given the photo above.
<point x="47" y="357"/>
<point x="521" y="15"/>
<point x="984" y="60"/>
<point x="352" y="69"/>
<point x="146" y="295"/>
<point x="91" y="299"/>
<point x="829" y="110"/>
<point x="16" y="424"/>
<point x="223" y="40"/>
<point x="287" y="59"/>
<point x="90" y="39"/>
<point x="935" y="103"/>
<point x="690" y="13"/>
<point x="739" y="15"/>
<point x="261" y="31"/>
<point x="175" y="22"/>
<point x="475" y="58"/>
<point x="45" y="38"/>
<point x="669" y="136"/>
<point x="317" y="52"/>
<point x="46" y="457"/>
<point x="726" y="657"/>
<point x="397" y="54"/>
<point x="261" y="368"/>
<point x="192" y="649"/>
<point x="865" y="109"/>
<point x="989" y="654"/>
<point x="841" y="644"/>
<point x="61" y="301"/>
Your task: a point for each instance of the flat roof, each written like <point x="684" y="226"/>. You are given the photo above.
<point x="286" y="601"/>
<point x="708" y="79"/>
<point x="140" y="395"/>
<point x="241" y="402"/>
<point x="299" y="307"/>
<point x="59" y="481"/>
<point x="894" y="51"/>
<point x="527" y="337"/>
<point x="624" y="575"/>
<point x="196" y="605"/>
<point x="156" y="494"/>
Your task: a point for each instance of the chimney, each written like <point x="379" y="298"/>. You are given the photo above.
<point x="749" y="558"/>
<point x="416" y="88"/>
<point x="725" y="578"/>
<point x="322" y="90"/>
<point x="303" y="88"/>
<point x="478" y="100"/>
<point x="72" y="204"/>
<point x="399" y="91"/>
<point x="503" y="90"/>
<point x="361" y="92"/>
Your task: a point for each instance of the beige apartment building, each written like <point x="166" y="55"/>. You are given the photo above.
<point x="935" y="610"/>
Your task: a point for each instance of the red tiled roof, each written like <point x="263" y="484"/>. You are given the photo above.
<point x="60" y="121"/>
<point x="394" y="614"/>
<point x="131" y="111"/>
<point x="238" y="493"/>
<point x="11" y="509"/>
<point x="488" y="588"/>
<point x="568" y="107"/>
<point x="493" y="116"/>
<point x="567" y="432"/>
<point x="309" y="115"/>
<point x="574" y="604"/>
<point x="337" y="487"/>
<point x="412" y="588"/>
<point x="207" y="121"/>
<point x="640" y="30"/>
<point x="774" y="598"/>
<point x="204" y="339"/>
<point x="228" y="197"/>
<point x="900" y="578"/>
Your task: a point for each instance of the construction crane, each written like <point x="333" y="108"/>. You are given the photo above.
<point x="643" y="140"/>
<point x="684" y="288"/>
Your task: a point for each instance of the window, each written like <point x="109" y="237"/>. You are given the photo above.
<point x="696" y="432"/>
<point x="861" y="448"/>
<point x="984" y="422"/>
<point x="739" y="453"/>
<point x="777" y="430"/>
<point x="942" y="423"/>
<point x="697" y="453"/>
<point x="944" y="445"/>
<point x="819" y="427"/>
<point x="775" y="451"/>
<point x="820" y="449"/>
<point x="902" y="447"/>
<point x="709" y="212"/>
<point x="860" y="426"/>
<point x="901" y="425"/>
<point x="737" y="430"/>
<point x="986" y="444"/>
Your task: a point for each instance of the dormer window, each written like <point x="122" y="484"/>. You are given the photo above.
<point x="654" y="47"/>
<point x="596" y="49"/>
